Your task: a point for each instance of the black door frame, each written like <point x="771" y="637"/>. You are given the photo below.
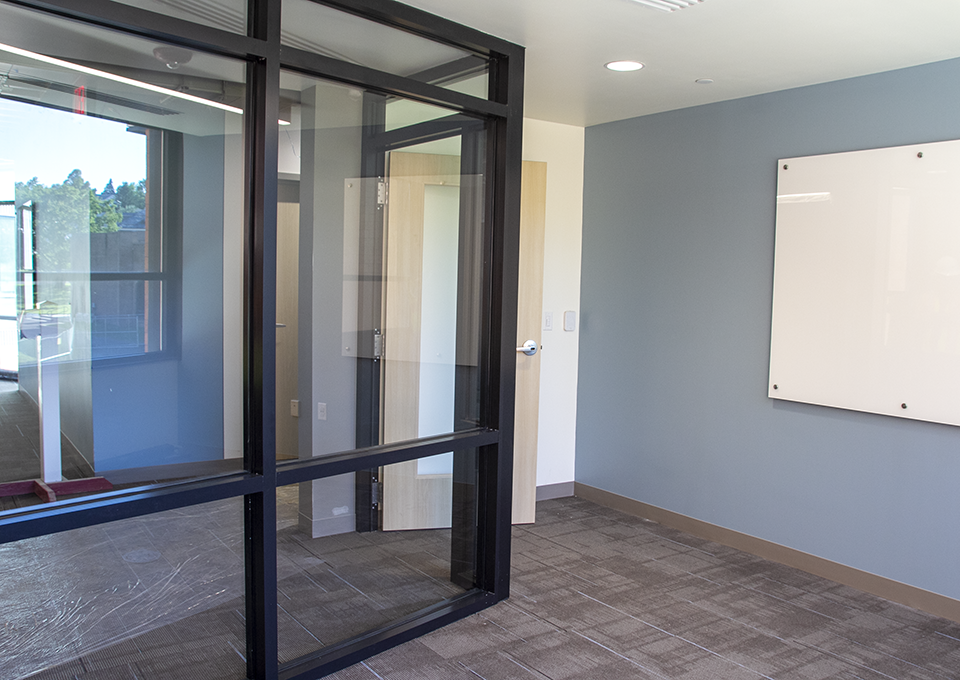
<point x="490" y="443"/>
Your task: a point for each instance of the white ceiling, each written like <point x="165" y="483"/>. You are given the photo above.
<point x="747" y="46"/>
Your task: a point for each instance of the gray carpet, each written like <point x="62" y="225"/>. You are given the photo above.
<point x="596" y="594"/>
<point x="599" y="595"/>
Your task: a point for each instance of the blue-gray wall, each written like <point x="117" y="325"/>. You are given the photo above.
<point x="679" y="213"/>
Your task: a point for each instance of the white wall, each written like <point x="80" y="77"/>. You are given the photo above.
<point x="561" y="147"/>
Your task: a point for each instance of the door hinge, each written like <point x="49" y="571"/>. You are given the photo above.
<point x="376" y="493"/>
<point x="377" y="344"/>
<point x="381" y="192"/>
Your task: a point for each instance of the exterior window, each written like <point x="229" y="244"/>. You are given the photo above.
<point x="91" y="252"/>
<point x="127" y="227"/>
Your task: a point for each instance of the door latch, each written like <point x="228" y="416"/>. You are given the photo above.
<point x="529" y="348"/>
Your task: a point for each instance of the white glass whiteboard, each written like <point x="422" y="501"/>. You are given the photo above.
<point x="866" y="294"/>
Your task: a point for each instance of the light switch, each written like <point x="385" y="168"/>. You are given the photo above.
<point x="548" y="321"/>
<point x="569" y="321"/>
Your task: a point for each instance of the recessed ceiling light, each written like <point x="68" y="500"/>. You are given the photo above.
<point x="669" y="5"/>
<point x="624" y="65"/>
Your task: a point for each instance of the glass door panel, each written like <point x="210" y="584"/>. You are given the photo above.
<point x="420" y="324"/>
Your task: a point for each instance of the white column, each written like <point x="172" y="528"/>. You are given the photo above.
<point x="48" y="392"/>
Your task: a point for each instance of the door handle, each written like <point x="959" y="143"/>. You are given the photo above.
<point x="529" y="348"/>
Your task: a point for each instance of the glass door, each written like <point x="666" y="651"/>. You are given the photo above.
<point x="420" y="328"/>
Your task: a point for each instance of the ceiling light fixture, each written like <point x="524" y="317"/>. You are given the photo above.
<point x="669" y="5"/>
<point x="624" y="65"/>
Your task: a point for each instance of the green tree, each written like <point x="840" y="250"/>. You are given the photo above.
<point x="69" y="208"/>
<point x="63" y="216"/>
<point x="105" y="215"/>
<point x="132" y="196"/>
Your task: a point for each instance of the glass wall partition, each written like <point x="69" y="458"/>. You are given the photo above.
<point x="257" y="305"/>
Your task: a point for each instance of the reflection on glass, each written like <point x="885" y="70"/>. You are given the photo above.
<point x="227" y="15"/>
<point x="315" y="28"/>
<point x="336" y="583"/>
<point x="152" y="597"/>
<point x="121" y="191"/>
<point x="379" y="254"/>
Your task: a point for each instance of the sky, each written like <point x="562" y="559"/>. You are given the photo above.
<point x="48" y="144"/>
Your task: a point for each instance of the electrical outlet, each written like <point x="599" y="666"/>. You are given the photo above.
<point x="321" y="411"/>
<point x="295" y="408"/>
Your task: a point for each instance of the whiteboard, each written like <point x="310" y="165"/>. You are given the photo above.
<point x="866" y="293"/>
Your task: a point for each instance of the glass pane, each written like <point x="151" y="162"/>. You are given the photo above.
<point x="123" y="322"/>
<point x="227" y="15"/>
<point x="380" y="260"/>
<point x="336" y="582"/>
<point x="158" y="596"/>
<point x="316" y="28"/>
<point x="8" y="285"/>
<point x="123" y="181"/>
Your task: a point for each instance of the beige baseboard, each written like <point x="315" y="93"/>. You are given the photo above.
<point x="924" y="600"/>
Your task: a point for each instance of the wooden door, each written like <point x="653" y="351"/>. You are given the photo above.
<point x="533" y="193"/>
<point x="288" y="247"/>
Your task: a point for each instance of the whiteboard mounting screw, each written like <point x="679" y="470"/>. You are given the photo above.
<point x="903" y="406"/>
<point x="776" y="387"/>
<point x="919" y="154"/>
<point x="785" y="166"/>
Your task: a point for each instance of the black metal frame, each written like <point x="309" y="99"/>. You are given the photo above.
<point x="490" y="445"/>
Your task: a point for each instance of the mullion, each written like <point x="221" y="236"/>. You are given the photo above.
<point x="496" y="471"/>
<point x="329" y="68"/>
<point x="106" y="507"/>
<point x="426" y="131"/>
<point x="330" y="466"/>
<point x="424" y="24"/>
<point x="260" y="298"/>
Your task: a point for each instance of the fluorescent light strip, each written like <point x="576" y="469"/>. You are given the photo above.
<point x="669" y="5"/>
<point x="118" y="79"/>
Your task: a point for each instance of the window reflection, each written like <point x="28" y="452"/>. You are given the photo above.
<point x="121" y="242"/>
